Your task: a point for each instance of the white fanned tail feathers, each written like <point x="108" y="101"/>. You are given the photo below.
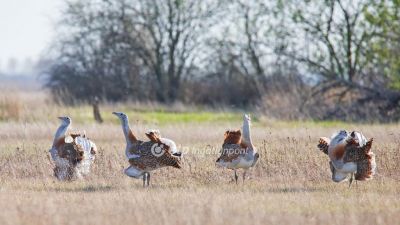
<point x="238" y="151"/>
<point x="350" y="154"/>
<point x="72" y="154"/>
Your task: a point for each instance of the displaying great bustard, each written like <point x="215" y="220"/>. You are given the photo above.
<point x="237" y="151"/>
<point x="72" y="154"/>
<point x="145" y="156"/>
<point x="350" y="156"/>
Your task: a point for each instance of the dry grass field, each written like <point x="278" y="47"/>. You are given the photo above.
<point x="290" y="185"/>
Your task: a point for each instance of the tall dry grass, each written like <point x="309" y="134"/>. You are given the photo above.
<point x="290" y="184"/>
<point x="10" y="107"/>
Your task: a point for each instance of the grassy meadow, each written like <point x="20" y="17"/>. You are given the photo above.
<point x="290" y="185"/>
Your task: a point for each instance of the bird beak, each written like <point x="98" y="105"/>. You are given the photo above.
<point x="60" y="118"/>
<point x="178" y="154"/>
<point x="115" y="113"/>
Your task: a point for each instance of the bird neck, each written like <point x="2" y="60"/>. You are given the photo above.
<point x="60" y="132"/>
<point x="129" y="137"/>
<point x="247" y="133"/>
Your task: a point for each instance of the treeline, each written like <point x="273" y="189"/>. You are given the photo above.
<point x="331" y="59"/>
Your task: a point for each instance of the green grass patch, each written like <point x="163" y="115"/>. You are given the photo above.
<point x="309" y="123"/>
<point x="162" y="115"/>
<point x="84" y="115"/>
<point x="188" y="117"/>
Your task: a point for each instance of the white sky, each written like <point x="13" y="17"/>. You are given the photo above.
<point x="26" y="28"/>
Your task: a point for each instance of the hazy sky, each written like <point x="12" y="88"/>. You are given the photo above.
<point x="26" y="28"/>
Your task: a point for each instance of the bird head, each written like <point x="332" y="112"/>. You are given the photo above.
<point x="246" y="118"/>
<point x="121" y="116"/>
<point x="358" y="138"/>
<point x="339" y="137"/>
<point x="65" y="120"/>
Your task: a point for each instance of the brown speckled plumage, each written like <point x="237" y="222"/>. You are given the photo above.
<point x="353" y="152"/>
<point x="364" y="169"/>
<point x="237" y="151"/>
<point x="73" y="155"/>
<point x="363" y="156"/>
<point x="145" y="156"/>
<point x="230" y="152"/>
<point x="323" y="145"/>
<point x="72" y="152"/>
<point x="148" y="161"/>
<point x="232" y="148"/>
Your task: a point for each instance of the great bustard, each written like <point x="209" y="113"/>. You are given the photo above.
<point x="237" y="151"/>
<point x="73" y="154"/>
<point x="145" y="156"/>
<point x="350" y="155"/>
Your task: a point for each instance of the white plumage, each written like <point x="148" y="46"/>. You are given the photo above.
<point x="238" y="152"/>
<point x="73" y="155"/>
<point x="350" y="155"/>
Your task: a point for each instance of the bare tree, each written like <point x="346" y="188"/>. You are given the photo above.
<point x="236" y="52"/>
<point x="167" y="36"/>
<point x="248" y="51"/>
<point x="91" y="57"/>
<point x="240" y="47"/>
<point x="332" y="39"/>
<point x="137" y="47"/>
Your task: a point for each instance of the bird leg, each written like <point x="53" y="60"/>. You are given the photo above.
<point x="351" y="179"/>
<point x="244" y="175"/>
<point x="148" y="179"/>
<point x="144" y="179"/>
<point x="236" y="177"/>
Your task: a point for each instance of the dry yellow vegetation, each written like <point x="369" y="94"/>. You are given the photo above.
<point x="290" y="185"/>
